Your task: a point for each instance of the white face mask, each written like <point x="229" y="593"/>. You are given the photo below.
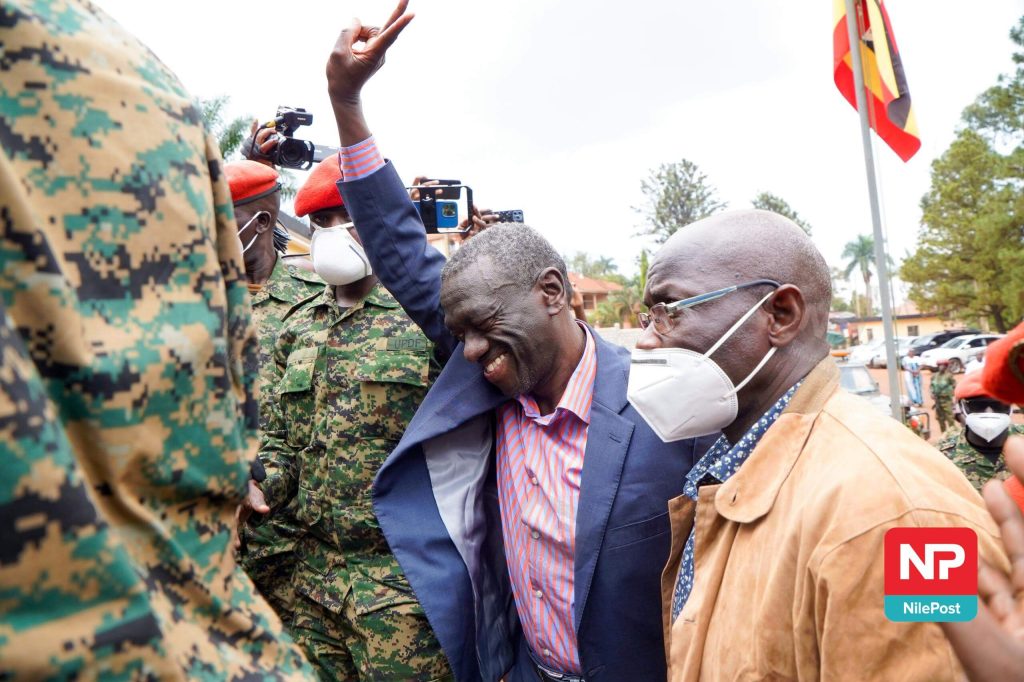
<point x="246" y="226"/>
<point x="337" y="257"/>
<point x="988" y="425"/>
<point x="683" y="394"/>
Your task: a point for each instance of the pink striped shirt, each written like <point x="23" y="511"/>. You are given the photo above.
<point x="360" y="160"/>
<point x="540" y="459"/>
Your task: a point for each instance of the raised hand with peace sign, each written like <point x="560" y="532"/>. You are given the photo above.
<point x="358" y="54"/>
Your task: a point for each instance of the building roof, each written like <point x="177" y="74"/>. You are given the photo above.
<point x="590" y="285"/>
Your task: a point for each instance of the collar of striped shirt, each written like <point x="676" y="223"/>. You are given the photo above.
<point x="579" y="392"/>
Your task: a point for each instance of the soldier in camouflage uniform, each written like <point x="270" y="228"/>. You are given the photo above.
<point x="941" y="387"/>
<point x="353" y="369"/>
<point x="127" y="422"/>
<point x="268" y="554"/>
<point x="985" y="423"/>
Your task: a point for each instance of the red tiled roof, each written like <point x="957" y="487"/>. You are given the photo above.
<point x="590" y="285"/>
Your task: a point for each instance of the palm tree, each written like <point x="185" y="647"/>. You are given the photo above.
<point x="861" y="255"/>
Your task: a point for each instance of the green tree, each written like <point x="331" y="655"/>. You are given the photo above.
<point x="601" y="267"/>
<point x="770" y="202"/>
<point x="676" y="194"/>
<point x="860" y="255"/>
<point x="969" y="260"/>
<point x="841" y="305"/>
<point x="644" y="267"/>
<point x="229" y="134"/>
<point x="970" y="257"/>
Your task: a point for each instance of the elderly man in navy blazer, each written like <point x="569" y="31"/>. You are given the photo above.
<point x="527" y="500"/>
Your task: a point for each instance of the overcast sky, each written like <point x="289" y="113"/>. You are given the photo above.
<point x="561" y="107"/>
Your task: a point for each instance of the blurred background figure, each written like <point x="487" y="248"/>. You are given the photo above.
<point x="985" y="424"/>
<point x="912" y="377"/>
<point x="942" y="385"/>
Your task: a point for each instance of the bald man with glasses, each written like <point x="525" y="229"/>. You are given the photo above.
<point x="776" y="568"/>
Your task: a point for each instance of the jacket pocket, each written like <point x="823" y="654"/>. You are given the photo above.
<point x="637" y="531"/>
<point x="391" y="385"/>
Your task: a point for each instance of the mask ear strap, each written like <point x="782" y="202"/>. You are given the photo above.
<point x="739" y="323"/>
<point x="766" y="358"/>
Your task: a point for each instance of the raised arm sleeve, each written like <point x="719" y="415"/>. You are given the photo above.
<point x="396" y="244"/>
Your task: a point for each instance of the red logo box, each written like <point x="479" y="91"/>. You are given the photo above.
<point x="931" y="561"/>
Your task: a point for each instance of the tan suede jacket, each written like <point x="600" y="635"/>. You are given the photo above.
<point x="788" y="554"/>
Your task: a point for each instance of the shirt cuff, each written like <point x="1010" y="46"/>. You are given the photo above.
<point x="360" y="160"/>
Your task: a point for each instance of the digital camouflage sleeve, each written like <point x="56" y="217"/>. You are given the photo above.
<point x="128" y="420"/>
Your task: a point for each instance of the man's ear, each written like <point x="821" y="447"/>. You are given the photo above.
<point x="264" y="221"/>
<point x="552" y="288"/>
<point x="788" y="310"/>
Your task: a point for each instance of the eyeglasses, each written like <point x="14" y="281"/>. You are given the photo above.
<point x="662" y="315"/>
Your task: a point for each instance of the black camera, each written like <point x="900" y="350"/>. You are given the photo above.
<point x="291" y="152"/>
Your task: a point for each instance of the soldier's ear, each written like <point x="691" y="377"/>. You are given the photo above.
<point x="263" y="221"/>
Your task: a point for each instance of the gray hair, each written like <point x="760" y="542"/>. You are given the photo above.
<point x="518" y="251"/>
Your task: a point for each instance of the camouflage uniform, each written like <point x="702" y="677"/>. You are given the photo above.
<point x="127" y="423"/>
<point x="270" y="544"/>
<point x="942" y="386"/>
<point x="350" y="382"/>
<point x="976" y="467"/>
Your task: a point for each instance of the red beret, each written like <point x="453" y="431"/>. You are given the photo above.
<point x="1004" y="367"/>
<point x="320" y="190"/>
<point x="250" y="181"/>
<point x="970" y="386"/>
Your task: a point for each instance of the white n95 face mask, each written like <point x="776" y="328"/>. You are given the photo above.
<point x="989" y="425"/>
<point x="337" y="257"/>
<point x="683" y="394"/>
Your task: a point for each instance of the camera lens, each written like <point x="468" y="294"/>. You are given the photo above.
<point x="292" y="153"/>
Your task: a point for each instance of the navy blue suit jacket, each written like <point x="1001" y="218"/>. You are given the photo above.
<point x="436" y="496"/>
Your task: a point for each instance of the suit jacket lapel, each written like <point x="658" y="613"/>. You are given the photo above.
<point x="459" y="394"/>
<point x="607" y="442"/>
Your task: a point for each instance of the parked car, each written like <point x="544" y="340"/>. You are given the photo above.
<point x="879" y="357"/>
<point x="936" y="339"/>
<point x="958" y="351"/>
<point x="864" y="352"/>
<point x="856" y="379"/>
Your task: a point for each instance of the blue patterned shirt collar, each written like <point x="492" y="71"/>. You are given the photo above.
<point x="723" y="460"/>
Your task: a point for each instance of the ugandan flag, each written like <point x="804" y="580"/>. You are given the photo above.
<point x="889" y="110"/>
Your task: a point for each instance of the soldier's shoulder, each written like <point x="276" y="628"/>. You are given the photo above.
<point x="290" y="284"/>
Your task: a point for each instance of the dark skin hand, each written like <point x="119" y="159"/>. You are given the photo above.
<point x="482" y="217"/>
<point x="991" y="647"/>
<point x="259" y="149"/>
<point x="357" y="55"/>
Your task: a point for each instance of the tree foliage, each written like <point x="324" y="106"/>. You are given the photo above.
<point x="601" y="267"/>
<point x="676" y="194"/>
<point x="229" y="134"/>
<point x="771" y="202"/>
<point x="969" y="261"/>
<point x="859" y="255"/>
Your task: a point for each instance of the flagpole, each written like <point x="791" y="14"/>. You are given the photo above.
<point x="881" y="264"/>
